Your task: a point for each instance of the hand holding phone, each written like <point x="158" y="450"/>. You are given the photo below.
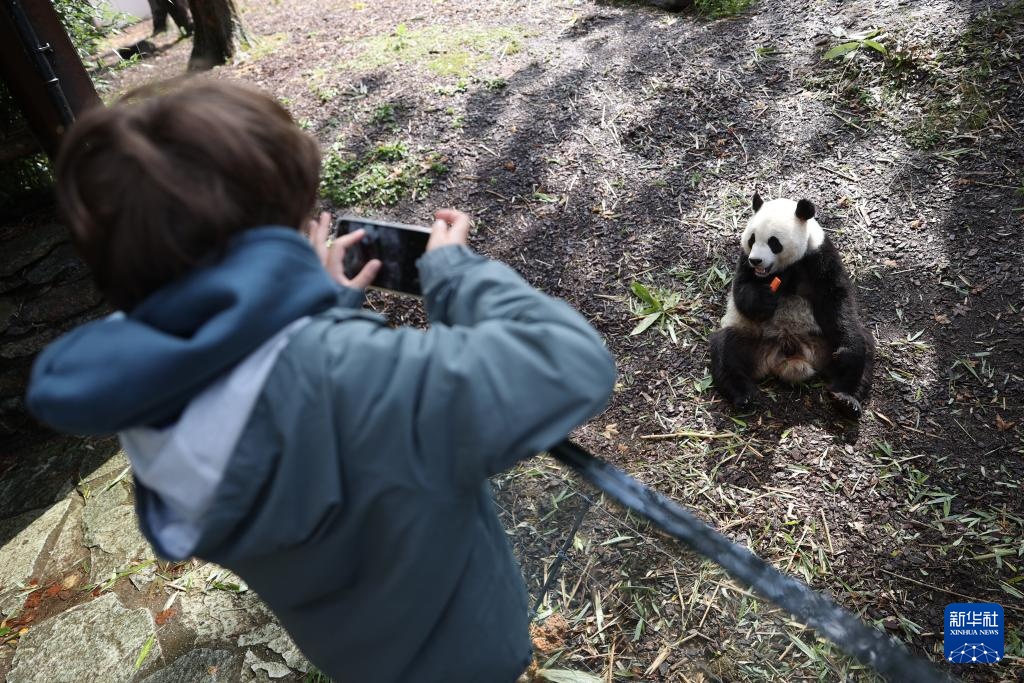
<point x="395" y="246"/>
<point x="383" y="255"/>
<point x="450" y="227"/>
<point x="333" y="257"/>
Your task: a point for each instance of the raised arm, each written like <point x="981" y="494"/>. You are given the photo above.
<point x="754" y="296"/>
<point x="833" y="300"/>
<point x="503" y="373"/>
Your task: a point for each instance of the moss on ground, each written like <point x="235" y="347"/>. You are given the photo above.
<point x="261" y="46"/>
<point x="380" y="177"/>
<point x="722" y="8"/>
<point x="444" y="50"/>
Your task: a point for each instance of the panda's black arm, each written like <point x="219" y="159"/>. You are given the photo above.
<point x="833" y="300"/>
<point x="753" y="296"/>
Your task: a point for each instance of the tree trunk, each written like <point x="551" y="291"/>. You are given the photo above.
<point x="218" y="31"/>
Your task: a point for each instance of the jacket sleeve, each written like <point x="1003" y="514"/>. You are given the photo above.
<point x="503" y="373"/>
<point x="349" y="297"/>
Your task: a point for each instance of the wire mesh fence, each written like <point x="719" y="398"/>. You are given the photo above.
<point x="617" y="601"/>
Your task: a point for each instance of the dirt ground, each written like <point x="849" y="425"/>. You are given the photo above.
<point x="604" y="144"/>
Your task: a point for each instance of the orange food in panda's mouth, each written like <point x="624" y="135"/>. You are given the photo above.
<point x="776" y="283"/>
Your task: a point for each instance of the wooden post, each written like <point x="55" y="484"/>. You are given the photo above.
<point x="42" y="70"/>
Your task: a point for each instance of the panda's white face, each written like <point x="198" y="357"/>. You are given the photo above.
<point x="779" y="234"/>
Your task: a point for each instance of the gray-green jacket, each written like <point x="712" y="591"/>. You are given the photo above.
<point x="341" y="470"/>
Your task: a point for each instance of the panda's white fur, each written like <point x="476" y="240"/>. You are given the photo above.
<point x="793" y="318"/>
<point x="778" y="219"/>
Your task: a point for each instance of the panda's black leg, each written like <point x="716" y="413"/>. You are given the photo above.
<point x="850" y="375"/>
<point x="733" y="358"/>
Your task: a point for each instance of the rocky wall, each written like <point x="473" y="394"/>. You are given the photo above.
<point x="45" y="289"/>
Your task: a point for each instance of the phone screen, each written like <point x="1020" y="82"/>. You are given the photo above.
<point x="397" y="246"/>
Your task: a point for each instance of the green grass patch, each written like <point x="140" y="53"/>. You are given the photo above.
<point x="261" y="46"/>
<point x="675" y="313"/>
<point x="655" y="307"/>
<point x="444" y="50"/>
<point x="380" y="177"/>
<point x="385" y="115"/>
<point x="721" y="8"/>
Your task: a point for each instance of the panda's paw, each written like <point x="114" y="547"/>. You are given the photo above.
<point x="843" y="354"/>
<point x="744" y="399"/>
<point x="847" y="405"/>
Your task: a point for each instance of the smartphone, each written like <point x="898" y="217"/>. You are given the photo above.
<point x="398" y="247"/>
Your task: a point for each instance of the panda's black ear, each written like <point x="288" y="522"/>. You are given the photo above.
<point x="757" y="201"/>
<point x="804" y="210"/>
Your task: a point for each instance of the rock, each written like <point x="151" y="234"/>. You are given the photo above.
<point x="14" y="404"/>
<point x="112" y="531"/>
<point x="219" y="616"/>
<point x="277" y="639"/>
<point x="7" y="310"/>
<point x="38" y="481"/>
<point x="109" y="469"/>
<point x="97" y="641"/>
<point x="200" y="666"/>
<point x="61" y="302"/>
<point x="23" y="539"/>
<point x="11" y="423"/>
<point x="69" y="548"/>
<point x="62" y="262"/>
<point x="255" y="669"/>
<point x="143" y="577"/>
<point x="27" y="346"/>
<point x="10" y="284"/>
<point x="30" y="245"/>
<point x="13" y="381"/>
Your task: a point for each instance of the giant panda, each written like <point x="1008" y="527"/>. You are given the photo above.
<point x="792" y="312"/>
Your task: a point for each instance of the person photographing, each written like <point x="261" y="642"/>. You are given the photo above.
<point x="336" y="464"/>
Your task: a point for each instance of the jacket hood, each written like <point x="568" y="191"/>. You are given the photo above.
<point x="143" y="368"/>
<point x="184" y="463"/>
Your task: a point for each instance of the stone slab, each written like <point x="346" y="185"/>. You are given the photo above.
<point x="62" y="263"/>
<point x="8" y="307"/>
<point x="61" y="302"/>
<point x="112" y="531"/>
<point x="13" y="381"/>
<point x="28" y="345"/>
<point x="30" y="245"/>
<point x="222" y="616"/>
<point x="200" y="666"/>
<point x="26" y="536"/>
<point x="97" y="641"/>
<point x="274" y="636"/>
<point x="256" y="670"/>
<point x="69" y="549"/>
<point x="38" y="481"/>
<point x="111" y="468"/>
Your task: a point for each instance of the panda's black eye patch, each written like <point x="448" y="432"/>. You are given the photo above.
<point x="775" y="245"/>
<point x="750" y="242"/>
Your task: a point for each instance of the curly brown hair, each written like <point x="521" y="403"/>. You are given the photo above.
<point x="158" y="183"/>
